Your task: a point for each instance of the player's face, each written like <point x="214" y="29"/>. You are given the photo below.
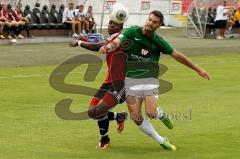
<point x="71" y="6"/>
<point x="90" y="9"/>
<point x="81" y="8"/>
<point x="4" y="7"/>
<point x="114" y="27"/>
<point x="153" y="22"/>
<point x="18" y="7"/>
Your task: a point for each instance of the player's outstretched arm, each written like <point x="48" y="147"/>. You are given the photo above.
<point x="88" y="45"/>
<point x="110" y="46"/>
<point x="187" y="62"/>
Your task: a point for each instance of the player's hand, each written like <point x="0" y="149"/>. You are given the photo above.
<point x="104" y="49"/>
<point x="203" y="73"/>
<point x="73" y="44"/>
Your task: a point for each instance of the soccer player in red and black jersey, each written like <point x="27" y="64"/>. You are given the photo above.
<point x="9" y="20"/>
<point x="19" y="19"/>
<point x="112" y="90"/>
<point x="5" y="21"/>
<point x="2" y="22"/>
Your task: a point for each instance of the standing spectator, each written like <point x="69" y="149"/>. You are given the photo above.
<point x="69" y="19"/>
<point x="237" y="19"/>
<point x="90" y="19"/>
<point x="210" y="20"/>
<point x="81" y="17"/>
<point x="221" y="20"/>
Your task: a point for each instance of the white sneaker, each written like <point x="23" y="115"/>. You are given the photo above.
<point x="75" y="35"/>
<point x="219" y="38"/>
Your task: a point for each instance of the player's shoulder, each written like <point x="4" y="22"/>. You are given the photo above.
<point x="157" y="37"/>
<point x="134" y="28"/>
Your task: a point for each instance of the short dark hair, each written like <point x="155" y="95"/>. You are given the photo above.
<point x="159" y="15"/>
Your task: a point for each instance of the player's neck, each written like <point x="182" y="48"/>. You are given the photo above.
<point x="147" y="33"/>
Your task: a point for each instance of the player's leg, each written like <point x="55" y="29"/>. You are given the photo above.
<point x="86" y="26"/>
<point x="73" y="27"/>
<point x="14" y="28"/>
<point x="134" y="92"/>
<point x="19" y="29"/>
<point x="8" y="28"/>
<point x="154" y="112"/>
<point x="103" y="98"/>
<point x="1" y="30"/>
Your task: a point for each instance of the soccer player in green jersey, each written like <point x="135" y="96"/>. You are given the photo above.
<point x="143" y="45"/>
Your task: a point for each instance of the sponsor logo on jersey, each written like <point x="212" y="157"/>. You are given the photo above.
<point x="144" y="52"/>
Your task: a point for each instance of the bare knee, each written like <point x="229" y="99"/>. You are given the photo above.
<point x="137" y="118"/>
<point x="152" y="115"/>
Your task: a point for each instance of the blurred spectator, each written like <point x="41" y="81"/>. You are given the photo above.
<point x="54" y="14"/>
<point x="230" y="21"/>
<point x="27" y="13"/>
<point x="10" y="21"/>
<point x="237" y="19"/>
<point x="46" y="14"/>
<point x="16" y="17"/>
<point x="90" y="19"/>
<point x="37" y="14"/>
<point x="221" y="20"/>
<point x="81" y="17"/>
<point x="22" y="21"/>
<point x="210" y="20"/>
<point x="61" y="10"/>
<point x="69" y="19"/>
<point x="194" y="16"/>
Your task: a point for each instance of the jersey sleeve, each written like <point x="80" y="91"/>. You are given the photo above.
<point x="166" y="48"/>
<point x="126" y="33"/>
<point x="114" y="36"/>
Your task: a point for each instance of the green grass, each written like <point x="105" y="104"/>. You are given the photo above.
<point x="29" y="127"/>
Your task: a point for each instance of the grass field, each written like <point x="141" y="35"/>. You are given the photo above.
<point x="206" y="113"/>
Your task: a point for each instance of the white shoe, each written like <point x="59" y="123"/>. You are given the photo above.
<point x="219" y="37"/>
<point x="75" y="35"/>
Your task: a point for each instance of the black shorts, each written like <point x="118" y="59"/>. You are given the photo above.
<point x="67" y="24"/>
<point x="220" y="24"/>
<point x="237" y="24"/>
<point x="117" y="91"/>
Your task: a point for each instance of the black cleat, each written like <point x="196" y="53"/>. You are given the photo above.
<point x="121" y="118"/>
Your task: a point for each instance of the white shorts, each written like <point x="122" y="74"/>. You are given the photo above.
<point x="141" y="87"/>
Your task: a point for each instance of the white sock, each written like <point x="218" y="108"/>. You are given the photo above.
<point x="160" y="113"/>
<point x="147" y="128"/>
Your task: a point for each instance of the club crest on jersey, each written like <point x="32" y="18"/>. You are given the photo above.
<point x="144" y="52"/>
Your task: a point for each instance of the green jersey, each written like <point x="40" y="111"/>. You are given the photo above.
<point x="143" y="52"/>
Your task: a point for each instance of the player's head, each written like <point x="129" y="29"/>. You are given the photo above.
<point x="81" y="7"/>
<point x="71" y="6"/>
<point x="224" y="3"/>
<point x="90" y="8"/>
<point x="19" y="7"/>
<point x="114" y="27"/>
<point x="154" y="21"/>
<point x="4" y="7"/>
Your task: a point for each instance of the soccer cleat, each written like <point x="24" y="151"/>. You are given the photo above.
<point x="167" y="146"/>
<point x="103" y="144"/>
<point x="9" y="37"/>
<point x="75" y="35"/>
<point x="121" y="118"/>
<point x="2" y="37"/>
<point x="20" y="37"/>
<point x="167" y="121"/>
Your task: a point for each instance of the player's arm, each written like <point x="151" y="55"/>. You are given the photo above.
<point x="110" y="46"/>
<point x="88" y="45"/>
<point x="187" y="62"/>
